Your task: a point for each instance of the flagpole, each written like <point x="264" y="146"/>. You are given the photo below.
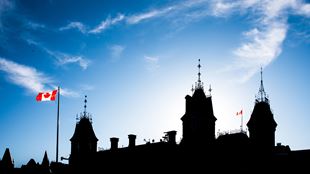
<point x="57" y="137"/>
<point x="241" y="121"/>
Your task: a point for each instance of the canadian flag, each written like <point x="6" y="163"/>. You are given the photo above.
<point x="239" y="113"/>
<point x="46" y="96"/>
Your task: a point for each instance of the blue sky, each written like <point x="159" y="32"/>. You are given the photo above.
<point x="136" y="61"/>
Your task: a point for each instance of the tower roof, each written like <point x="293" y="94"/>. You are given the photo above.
<point x="84" y="129"/>
<point x="7" y="159"/>
<point x="262" y="115"/>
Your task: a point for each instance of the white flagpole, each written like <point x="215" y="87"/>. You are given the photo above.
<point x="57" y="137"/>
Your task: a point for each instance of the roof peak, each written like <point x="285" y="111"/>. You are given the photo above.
<point x="261" y="96"/>
<point x="84" y="114"/>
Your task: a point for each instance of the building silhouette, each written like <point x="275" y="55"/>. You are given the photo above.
<point x="84" y="140"/>
<point x="199" y="150"/>
<point x="198" y="120"/>
<point x="262" y="125"/>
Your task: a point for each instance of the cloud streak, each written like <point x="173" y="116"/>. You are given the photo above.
<point x="24" y="76"/>
<point x="62" y="59"/>
<point x="30" y="78"/>
<point x="140" y="17"/>
<point x="107" y="23"/>
<point x="263" y="43"/>
<point x="74" y="25"/>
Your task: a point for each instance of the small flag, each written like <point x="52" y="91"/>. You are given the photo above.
<point x="239" y="113"/>
<point x="46" y="96"/>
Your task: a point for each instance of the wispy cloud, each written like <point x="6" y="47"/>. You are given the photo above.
<point x="152" y="63"/>
<point x="116" y="51"/>
<point x="62" y="59"/>
<point x="107" y="23"/>
<point x="140" y="17"/>
<point x="24" y="76"/>
<point x="30" y="78"/>
<point x="263" y="47"/>
<point x="263" y="43"/>
<point x="74" y="25"/>
<point x="134" y="19"/>
<point x="34" y="25"/>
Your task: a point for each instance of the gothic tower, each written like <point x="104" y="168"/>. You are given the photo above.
<point x="198" y="120"/>
<point x="262" y="125"/>
<point x="84" y="140"/>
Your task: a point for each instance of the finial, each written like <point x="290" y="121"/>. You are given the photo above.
<point x="262" y="97"/>
<point x="85" y="106"/>
<point x="199" y="84"/>
<point x="210" y="89"/>
<point x="199" y="74"/>
<point x="192" y="89"/>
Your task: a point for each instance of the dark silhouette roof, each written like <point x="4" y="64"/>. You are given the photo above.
<point x="45" y="161"/>
<point x="7" y="161"/>
<point x="261" y="115"/>
<point x="31" y="163"/>
<point x="84" y="130"/>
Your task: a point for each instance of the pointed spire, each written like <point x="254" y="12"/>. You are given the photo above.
<point x="7" y="161"/>
<point x="199" y="84"/>
<point x="261" y="97"/>
<point x="45" y="161"/>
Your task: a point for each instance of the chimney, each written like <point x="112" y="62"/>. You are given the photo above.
<point x="114" y="143"/>
<point x="171" y="137"/>
<point x="132" y="140"/>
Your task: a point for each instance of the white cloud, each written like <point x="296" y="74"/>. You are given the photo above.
<point x="220" y="8"/>
<point x="34" y="26"/>
<point x="64" y="59"/>
<point x="152" y="63"/>
<point x="107" y="23"/>
<point x="134" y="19"/>
<point x="303" y="9"/>
<point x="30" y="78"/>
<point x="264" y="41"/>
<point x="263" y="47"/>
<point x="74" y="25"/>
<point x="24" y="76"/>
<point x="116" y="51"/>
